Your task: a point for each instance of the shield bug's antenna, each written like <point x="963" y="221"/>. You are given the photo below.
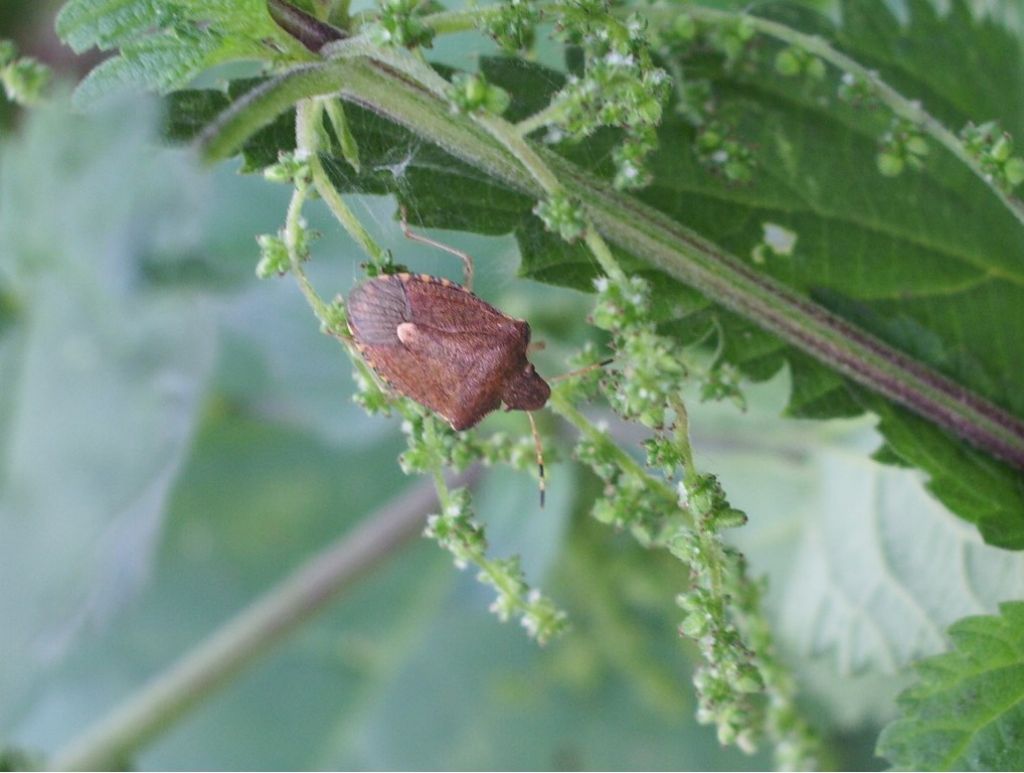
<point x="467" y="261"/>
<point x="582" y="371"/>
<point x="540" y="454"/>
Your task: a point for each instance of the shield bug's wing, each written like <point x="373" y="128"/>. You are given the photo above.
<point x="376" y="309"/>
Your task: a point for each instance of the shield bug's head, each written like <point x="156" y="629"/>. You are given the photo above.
<point x="525" y="390"/>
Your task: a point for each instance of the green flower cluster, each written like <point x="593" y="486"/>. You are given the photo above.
<point x="457" y="531"/>
<point x="471" y="92"/>
<point x="902" y="146"/>
<point x="741" y="688"/>
<point x="619" y="87"/>
<point x="629" y="501"/>
<point x="431" y="446"/>
<point x="723" y="154"/>
<point x="649" y="368"/>
<point x="400" y="24"/>
<point x="275" y="257"/>
<point x="993" y="148"/>
<point x="562" y="215"/>
<point x="728" y="682"/>
<point x="513" y="26"/>
<point x="24" y="79"/>
<point x="857" y="90"/>
<point x="793" y="61"/>
<point x="731" y="37"/>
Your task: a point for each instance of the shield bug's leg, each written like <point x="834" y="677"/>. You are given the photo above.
<point x="540" y="454"/>
<point x="467" y="262"/>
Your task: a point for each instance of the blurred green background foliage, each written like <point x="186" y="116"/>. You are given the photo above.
<point x="177" y="436"/>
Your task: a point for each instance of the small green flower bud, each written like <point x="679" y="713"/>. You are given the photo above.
<point x="497" y="100"/>
<point x="694" y="625"/>
<point x="787" y="62"/>
<point x="1002" y="148"/>
<point x="474" y="89"/>
<point x="917" y="145"/>
<point x="889" y="164"/>
<point x="856" y="90"/>
<point x="738" y="171"/>
<point x="648" y="111"/>
<point x="1014" y="171"/>
<point x="816" y="68"/>
<point x="561" y="215"/>
<point x="25" y="80"/>
<point x="745" y="30"/>
<point x="748" y="679"/>
<point x="726" y="734"/>
<point x="709" y="140"/>
<point x="278" y="173"/>
<point x="728" y="518"/>
<point x="290" y="168"/>
<point x="273" y="256"/>
<point x="471" y="91"/>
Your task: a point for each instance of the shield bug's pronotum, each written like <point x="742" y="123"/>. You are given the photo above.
<point x="432" y="340"/>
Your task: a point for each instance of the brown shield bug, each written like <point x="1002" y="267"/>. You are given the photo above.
<point x="435" y="342"/>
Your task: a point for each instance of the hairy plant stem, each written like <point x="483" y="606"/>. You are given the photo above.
<point x="564" y="407"/>
<point x="307" y="123"/>
<point x="109" y="744"/>
<point x="644" y="232"/>
<point x="550" y="114"/>
<point x="515" y="143"/>
<point x="487" y="568"/>
<point x="505" y="133"/>
<point x="307" y="113"/>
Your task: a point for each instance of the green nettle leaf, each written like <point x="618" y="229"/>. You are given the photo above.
<point x="870" y="579"/>
<point x="164" y="44"/>
<point x="967" y="710"/>
<point x="927" y="260"/>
